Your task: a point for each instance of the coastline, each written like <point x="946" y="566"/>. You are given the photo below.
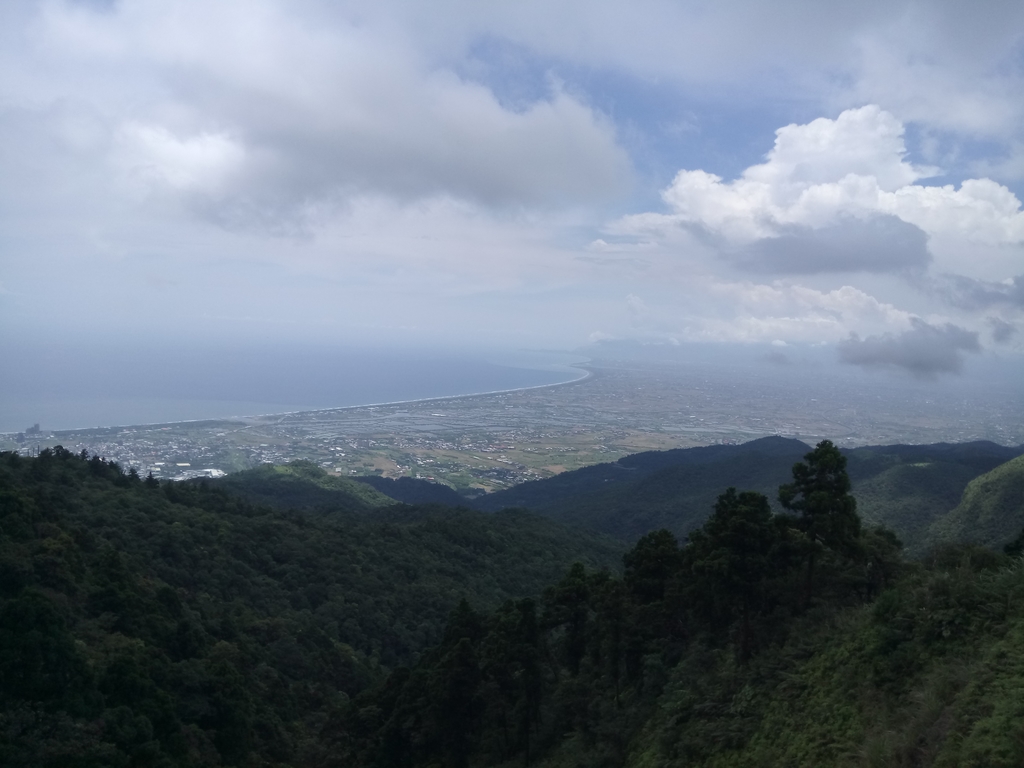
<point x="272" y="416"/>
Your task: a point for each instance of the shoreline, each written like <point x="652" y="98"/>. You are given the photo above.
<point x="586" y="374"/>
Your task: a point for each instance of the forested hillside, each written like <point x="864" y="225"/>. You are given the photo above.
<point x="616" y="479"/>
<point x="410" y="490"/>
<point x="905" y="487"/>
<point x="302" y="485"/>
<point x="799" y="640"/>
<point x="159" y="624"/>
<point x="991" y="511"/>
<point x="910" y="487"/>
<point x="163" y="624"/>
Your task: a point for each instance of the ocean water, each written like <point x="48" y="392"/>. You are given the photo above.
<point x="73" y="387"/>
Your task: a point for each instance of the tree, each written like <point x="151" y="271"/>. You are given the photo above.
<point x="567" y="604"/>
<point x="650" y="565"/>
<point x="820" y="495"/>
<point x="731" y="560"/>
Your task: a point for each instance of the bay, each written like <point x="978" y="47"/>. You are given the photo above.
<point x="76" y="387"/>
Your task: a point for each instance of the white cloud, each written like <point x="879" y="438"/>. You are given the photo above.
<point x="828" y="170"/>
<point x="378" y="137"/>
<point x="840" y="196"/>
<point x="760" y="312"/>
<point x="203" y="163"/>
<point x="278" y="110"/>
<point x="946" y="65"/>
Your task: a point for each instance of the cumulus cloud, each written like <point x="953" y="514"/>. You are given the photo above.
<point x="636" y="308"/>
<point x="835" y="195"/>
<point x="757" y="312"/>
<point x="925" y="351"/>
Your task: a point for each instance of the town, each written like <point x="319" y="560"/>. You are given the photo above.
<point x="482" y="443"/>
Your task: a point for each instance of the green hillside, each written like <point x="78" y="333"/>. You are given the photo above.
<point x="930" y="674"/>
<point x="904" y="487"/>
<point x="146" y="623"/>
<point x="909" y="487"/>
<point x="411" y="490"/>
<point x="619" y="478"/>
<point x="991" y="511"/>
<point x="678" y="498"/>
<point x="719" y="653"/>
<point x="177" y="624"/>
<point x="302" y="485"/>
<point x="644" y="492"/>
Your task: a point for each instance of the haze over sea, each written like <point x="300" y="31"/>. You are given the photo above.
<point x="73" y="387"/>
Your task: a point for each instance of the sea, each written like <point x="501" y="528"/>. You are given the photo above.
<point x="74" y="387"/>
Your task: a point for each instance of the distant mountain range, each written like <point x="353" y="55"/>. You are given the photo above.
<point x="911" y="489"/>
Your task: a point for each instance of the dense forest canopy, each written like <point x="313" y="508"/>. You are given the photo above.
<point x="162" y="624"/>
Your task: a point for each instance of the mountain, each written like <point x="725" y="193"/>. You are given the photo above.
<point x="180" y="624"/>
<point x="719" y="653"/>
<point x="159" y="623"/>
<point x="904" y="487"/>
<point x="409" y="490"/>
<point x="657" y="489"/>
<point x="991" y="511"/>
<point x="301" y="485"/>
<point x="909" y="487"/>
<point x="628" y="471"/>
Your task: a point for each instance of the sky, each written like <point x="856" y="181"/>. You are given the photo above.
<point x="520" y="174"/>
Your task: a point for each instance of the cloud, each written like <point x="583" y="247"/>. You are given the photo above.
<point x="968" y="293"/>
<point x="878" y="244"/>
<point x="940" y="63"/>
<point x="202" y="163"/>
<point x="946" y="66"/>
<point x="432" y="180"/>
<point x="755" y="312"/>
<point x="1002" y="331"/>
<point x="836" y="196"/>
<point x="925" y="351"/>
<point x="636" y="308"/>
<point x="829" y="170"/>
<point x="259" y="111"/>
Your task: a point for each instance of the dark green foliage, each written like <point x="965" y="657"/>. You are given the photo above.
<point x="734" y="560"/>
<point x="1016" y="547"/>
<point x="909" y="487"/>
<point x="302" y="485"/>
<point x="149" y="624"/>
<point x="826" y="512"/>
<point x="929" y="675"/>
<point x="820" y="495"/>
<point x="606" y="648"/>
<point x="671" y="490"/>
<point x="991" y="511"/>
<point x="146" y="623"/>
<point x="410" y="490"/>
<point x="38" y="657"/>
<point x="903" y="487"/>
